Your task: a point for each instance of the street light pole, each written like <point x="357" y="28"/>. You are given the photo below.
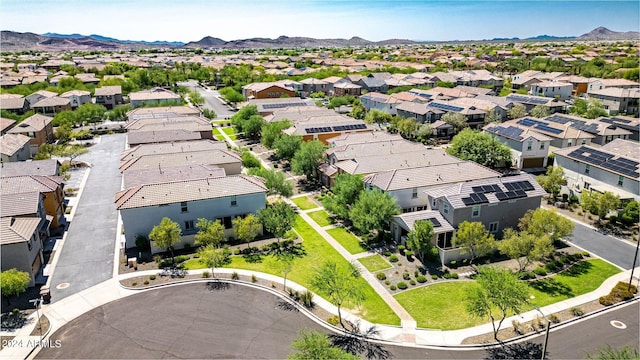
<point x="633" y="268"/>
<point x="546" y="334"/>
<point x="36" y="302"/>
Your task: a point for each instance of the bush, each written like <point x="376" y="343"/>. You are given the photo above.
<point x="517" y="327"/>
<point x="206" y="274"/>
<point x="392" y="287"/>
<point x="235" y="276"/>
<point x="576" y="311"/>
<point x="551" y="266"/>
<point x="540" y="271"/>
<point x="402" y="285"/>
<point x="450" y="276"/>
<point x="334" y="320"/>
<point x="401" y="249"/>
<point x="387" y="253"/>
<point x="381" y="276"/>
<point x="526" y="275"/>
<point x="406" y="276"/>
<point x="134" y="284"/>
<point x="393" y="258"/>
<point x="408" y="253"/>
<point x="607" y="300"/>
<point x="416" y="273"/>
<point x="452" y="264"/>
<point x="236" y="252"/>
<point x="387" y="282"/>
<point x="412" y="282"/>
<point x="422" y="279"/>
<point x="254" y="278"/>
<point x="152" y="277"/>
<point x="146" y="282"/>
<point x="434" y="277"/>
<point x="142" y="243"/>
<point x="306" y="298"/>
<point x="554" y="318"/>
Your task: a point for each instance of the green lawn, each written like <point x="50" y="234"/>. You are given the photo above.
<point x="229" y="130"/>
<point x="320" y="217"/>
<point x="222" y="122"/>
<point x="348" y="241"/>
<point x="440" y="306"/>
<point x="374" y="309"/>
<point x="304" y="203"/>
<point x="374" y="263"/>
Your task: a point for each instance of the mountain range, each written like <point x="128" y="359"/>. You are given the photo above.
<point x="15" y="41"/>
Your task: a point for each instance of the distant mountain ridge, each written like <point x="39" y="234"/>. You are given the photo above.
<point x="16" y="41"/>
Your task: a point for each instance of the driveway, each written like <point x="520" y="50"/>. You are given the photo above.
<point x="618" y="252"/>
<point x="86" y="259"/>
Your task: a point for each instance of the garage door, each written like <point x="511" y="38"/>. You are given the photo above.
<point x="532" y="163"/>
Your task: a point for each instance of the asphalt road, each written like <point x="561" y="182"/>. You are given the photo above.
<point x="196" y="321"/>
<point x="211" y="100"/>
<point x="616" y="251"/>
<point x="86" y="259"/>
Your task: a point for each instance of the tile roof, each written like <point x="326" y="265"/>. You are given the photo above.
<point x="33" y="123"/>
<point x="410" y="218"/>
<point x="162" y="112"/>
<point x="52" y="101"/>
<point x="190" y="123"/>
<point x="160" y="136"/>
<point x="108" y="90"/>
<point x="19" y="204"/>
<point x="153" y="94"/>
<point x="28" y="183"/>
<point x="362" y="137"/>
<point x="76" y="93"/>
<point x="514" y="132"/>
<point x="12" y="103"/>
<point x="210" y="157"/>
<point x="377" y="163"/>
<point x="621" y="147"/>
<point x="351" y="151"/>
<point x="16" y="230"/>
<point x="132" y="178"/>
<point x="172" y="147"/>
<point x="188" y="190"/>
<point x="12" y="143"/>
<point x="6" y="123"/>
<point x="33" y="167"/>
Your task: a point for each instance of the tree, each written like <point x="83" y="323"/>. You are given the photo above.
<point x="419" y="239"/>
<point x="89" y="113"/>
<point x="358" y="111"/>
<point x="372" y="211"/>
<point x="276" y="181"/>
<point x="540" y="111"/>
<point x="118" y="113"/>
<point x="286" y="146"/>
<point x="589" y="109"/>
<point x="209" y="232"/>
<point x="277" y="218"/>
<point x="339" y="284"/>
<point x="247" y="228"/>
<point x="546" y="222"/>
<point x="457" y="120"/>
<point x="517" y="112"/>
<point x="231" y="95"/>
<point x="631" y="213"/>
<point x="253" y="126"/>
<point x="480" y="147"/>
<point x="272" y="131"/>
<point x="209" y="114"/>
<point x="13" y="282"/>
<point x="492" y="117"/>
<point x="282" y="263"/>
<point x="475" y="239"/>
<point x="313" y="345"/>
<point x="212" y="257"/>
<point x="196" y="98"/>
<point x="166" y="234"/>
<point x="498" y="292"/>
<point x="525" y="247"/>
<point x="242" y="116"/>
<point x="553" y="181"/>
<point x="308" y="158"/>
<point x="375" y="116"/>
<point x="424" y="132"/>
<point x="346" y="190"/>
<point x="407" y="127"/>
<point x="71" y="151"/>
<point x="599" y="204"/>
<point x="63" y="133"/>
<point x="250" y="161"/>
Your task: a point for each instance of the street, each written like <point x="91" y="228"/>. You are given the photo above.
<point x="613" y="250"/>
<point x="210" y="99"/>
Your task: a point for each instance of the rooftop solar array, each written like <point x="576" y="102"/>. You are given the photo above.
<point x="539" y="125"/>
<point x="590" y="127"/>
<point x="315" y="130"/>
<point x="605" y="160"/>
<point x="511" y="195"/>
<point x="349" y="127"/>
<point x="519" y="185"/>
<point x="510" y="131"/>
<point x="445" y="107"/>
<point x="435" y="222"/>
<point x="283" y="105"/>
<point x="486" y="189"/>
<point x="515" y="190"/>
<point x="528" y="99"/>
<point x="475" y="198"/>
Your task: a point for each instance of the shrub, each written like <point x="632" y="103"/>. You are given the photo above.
<point x="607" y="300"/>
<point x="452" y="264"/>
<point x="152" y="277"/>
<point x="235" y="276"/>
<point x="254" y="278"/>
<point x="157" y="259"/>
<point x="554" y="318"/>
<point x="408" y="253"/>
<point x="142" y="243"/>
<point x="387" y="253"/>
<point x="387" y="282"/>
<point x="526" y="275"/>
<point x="551" y="266"/>
<point x="146" y="282"/>
<point x="406" y="276"/>
<point x="576" y="311"/>
<point x="236" y="252"/>
<point x="334" y="320"/>
<point x="392" y="287"/>
<point x="294" y="294"/>
<point x="134" y="284"/>
<point x="434" y="277"/>
<point x="381" y="276"/>
<point x="517" y="327"/>
<point x="402" y="285"/>
<point x="540" y="271"/>
<point x="393" y="258"/>
<point x="416" y="273"/>
<point x="306" y="298"/>
<point x="450" y="276"/>
<point x="422" y="279"/>
<point x="206" y="274"/>
<point x="401" y="249"/>
<point x="412" y="282"/>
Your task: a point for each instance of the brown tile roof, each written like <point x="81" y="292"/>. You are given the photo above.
<point x="149" y="137"/>
<point x="28" y="183"/>
<point x="134" y="178"/>
<point x="172" y="147"/>
<point x="6" y="123"/>
<point x="16" y="230"/>
<point x="351" y="151"/>
<point x="108" y="90"/>
<point x="362" y="137"/>
<point x="12" y="143"/>
<point x="162" y="112"/>
<point x="12" y="103"/>
<point x="19" y="204"/>
<point x="189" y="123"/>
<point x="34" y="167"/>
<point x="377" y="163"/>
<point x="153" y="94"/>
<point x="33" y="123"/>
<point x="52" y="101"/>
<point x="188" y="190"/>
<point x="211" y="157"/>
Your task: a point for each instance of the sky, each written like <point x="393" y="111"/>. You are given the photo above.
<point x="374" y="20"/>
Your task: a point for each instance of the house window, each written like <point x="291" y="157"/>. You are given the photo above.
<point x="587" y="185"/>
<point x="31" y="134"/>
<point x="584" y="141"/>
<point x="586" y="168"/>
<point x="493" y="227"/>
<point x="414" y="193"/>
<point x="183" y="207"/>
<point x="445" y="208"/>
<point x="234" y="201"/>
<point x="227" y="222"/>
<point x="541" y="146"/>
<point x="475" y="211"/>
<point x="570" y="142"/>
<point x="620" y="180"/>
<point x="529" y="145"/>
<point x="188" y="225"/>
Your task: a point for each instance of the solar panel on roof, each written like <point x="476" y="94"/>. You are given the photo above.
<point x="509" y="186"/>
<point x="477" y="189"/>
<point x="526" y="186"/>
<point x="468" y="201"/>
<point x="445" y="107"/>
<point x="435" y="222"/>
<point x="501" y="196"/>
<point x="548" y="129"/>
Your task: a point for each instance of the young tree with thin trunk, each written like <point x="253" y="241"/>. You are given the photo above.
<point x="497" y="293"/>
<point x="525" y="247"/>
<point x="517" y="112"/>
<point x="13" y="283"/>
<point x="372" y="211"/>
<point x="166" y="234"/>
<point x="209" y="232"/>
<point x="475" y="239"/>
<point x="339" y="283"/>
<point x="553" y="181"/>
<point x="307" y="159"/>
<point x="546" y="222"/>
<point x="282" y="263"/>
<point x="277" y="218"/>
<point x="212" y="257"/>
<point x="419" y="239"/>
<point x="247" y="228"/>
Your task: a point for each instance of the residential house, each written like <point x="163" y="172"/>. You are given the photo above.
<point x="109" y="96"/>
<point x="135" y="138"/>
<point x="552" y="89"/>
<point x="604" y="131"/>
<point x="50" y="186"/>
<point x="138" y="177"/>
<point x="51" y="106"/>
<point x="6" y="125"/>
<point x="347" y="88"/>
<point x="618" y="100"/>
<point x="162" y="112"/>
<point x="407" y="185"/>
<point x="269" y="106"/>
<point x="39" y="95"/>
<point x="33" y="167"/>
<point x="624" y="122"/>
<point x="403" y="224"/>
<point x="38" y="128"/>
<point x="187" y="123"/>
<point x="529" y="149"/>
<point x="185" y="201"/>
<point x="562" y="135"/>
<point x="88" y="78"/>
<point x="475" y="117"/>
<point x="14" y="147"/>
<point x="596" y="84"/>
<point x="267" y="90"/>
<point x="153" y="96"/>
<point x="613" y="167"/>
<point x="529" y="101"/>
<point x="21" y="246"/>
<point x="228" y="160"/>
<point x="579" y="84"/>
<point x="378" y="101"/>
<point x="171" y="148"/>
<point x="77" y="97"/>
<point x="324" y="127"/>
<point x="312" y="85"/>
<point x="14" y="103"/>
<point x="373" y="84"/>
<point x="26" y="205"/>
